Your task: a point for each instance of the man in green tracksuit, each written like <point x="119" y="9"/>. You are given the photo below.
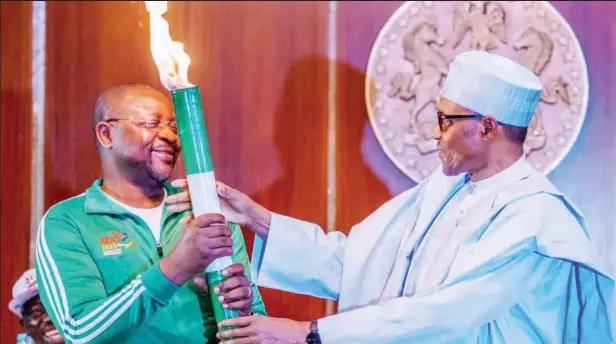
<point x="114" y="265"/>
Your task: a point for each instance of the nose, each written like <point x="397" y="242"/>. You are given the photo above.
<point x="437" y="132"/>
<point x="47" y="320"/>
<point x="167" y="134"/>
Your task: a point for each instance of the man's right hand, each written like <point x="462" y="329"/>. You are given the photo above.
<point x="204" y="239"/>
<point x="236" y="206"/>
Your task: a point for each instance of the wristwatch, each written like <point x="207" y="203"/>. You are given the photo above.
<point x="313" y="337"/>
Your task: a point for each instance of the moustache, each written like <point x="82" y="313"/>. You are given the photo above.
<point x="166" y="149"/>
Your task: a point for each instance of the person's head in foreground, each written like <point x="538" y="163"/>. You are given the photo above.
<point x="26" y="304"/>
<point x="136" y="134"/>
<point x="486" y="105"/>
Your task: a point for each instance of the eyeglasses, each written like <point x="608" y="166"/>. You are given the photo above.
<point x="445" y="121"/>
<point x="149" y="123"/>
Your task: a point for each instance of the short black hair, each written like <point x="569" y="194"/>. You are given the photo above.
<point x="104" y="103"/>
<point x="514" y="134"/>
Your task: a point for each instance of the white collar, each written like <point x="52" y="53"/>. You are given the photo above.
<point x="134" y="209"/>
<point x="514" y="172"/>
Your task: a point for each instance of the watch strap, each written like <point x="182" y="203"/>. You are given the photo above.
<point x="313" y="337"/>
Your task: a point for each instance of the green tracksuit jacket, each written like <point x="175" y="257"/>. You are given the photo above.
<point x="99" y="280"/>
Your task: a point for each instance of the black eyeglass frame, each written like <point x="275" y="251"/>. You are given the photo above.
<point x="442" y="118"/>
<point x="148" y="123"/>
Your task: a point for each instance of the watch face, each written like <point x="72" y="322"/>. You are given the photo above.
<point x="313" y="338"/>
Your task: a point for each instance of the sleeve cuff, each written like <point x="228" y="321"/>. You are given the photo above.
<point x="262" y="252"/>
<point x="158" y="285"/>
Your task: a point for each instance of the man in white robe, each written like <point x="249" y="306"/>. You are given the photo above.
<point x="486" y="250"/>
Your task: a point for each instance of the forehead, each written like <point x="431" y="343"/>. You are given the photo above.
<point x="147" y="104"/>
<point x="447" y="107"/>
<point x="32" y="302"/>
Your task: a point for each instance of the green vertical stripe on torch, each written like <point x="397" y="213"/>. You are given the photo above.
<point x="191" y="129"/>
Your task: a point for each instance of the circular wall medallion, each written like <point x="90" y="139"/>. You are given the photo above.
<point x="411" y="56"/>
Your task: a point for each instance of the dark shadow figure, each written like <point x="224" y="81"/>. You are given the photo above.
<point x="301" y="141"/>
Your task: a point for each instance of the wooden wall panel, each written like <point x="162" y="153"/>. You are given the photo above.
<point x="15" y="154"/>
<point x="263" y="89"/>
<point x="90" y="46"/>
<point x="367" y="178"/>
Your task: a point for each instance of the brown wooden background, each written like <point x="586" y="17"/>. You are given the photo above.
<point x="263" y="70"/>
<point x="15" y="154"/>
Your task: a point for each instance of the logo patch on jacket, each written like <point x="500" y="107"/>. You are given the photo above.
<point x="114" y="244"/>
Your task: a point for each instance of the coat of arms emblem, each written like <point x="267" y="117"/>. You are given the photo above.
<point x="411" y="56"/>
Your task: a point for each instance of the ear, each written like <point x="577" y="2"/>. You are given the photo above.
<point x="490" y="127"/>
<point x="103" y="134"/>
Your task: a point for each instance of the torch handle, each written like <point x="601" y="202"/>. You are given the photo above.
<point x="202" y="188"/>
<point x="201" y="180"/>
<point x="204" y="198"/>
<point x="214" y="278"/>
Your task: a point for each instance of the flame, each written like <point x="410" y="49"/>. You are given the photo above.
<point x="169" y="56"/>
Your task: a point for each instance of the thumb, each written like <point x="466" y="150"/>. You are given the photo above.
<point x="201" y="283"/>
<point x="223" y="190"/>
<point x="180" y="183"/>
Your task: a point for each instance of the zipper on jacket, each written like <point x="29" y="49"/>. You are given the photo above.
<point x="159" y="248"/>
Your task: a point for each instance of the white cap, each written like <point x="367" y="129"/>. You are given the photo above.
<point x="24" y="289"/>
<point x="493" y="85"/>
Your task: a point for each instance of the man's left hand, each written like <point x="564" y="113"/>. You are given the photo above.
<point x="235" y="292"/>
<point x="264" y="330"/>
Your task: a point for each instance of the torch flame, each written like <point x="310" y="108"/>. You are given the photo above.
<point x="169" y="56"/>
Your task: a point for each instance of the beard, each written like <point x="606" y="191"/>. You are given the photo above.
<point x="454" y="162"/>
<point x="151" y="168"/>
<point x="157" y="174"/>
<point x="160" y="171"/>
<point x="449" y="163"/>
<point x="461" y="152"/>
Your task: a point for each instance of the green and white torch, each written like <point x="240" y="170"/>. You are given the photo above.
<point x="173" y="64"/>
